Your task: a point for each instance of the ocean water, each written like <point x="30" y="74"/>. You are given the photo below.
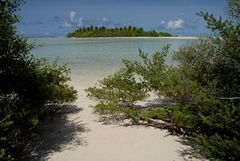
<point x="98" y="57"/>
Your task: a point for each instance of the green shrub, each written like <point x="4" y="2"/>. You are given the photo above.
<point x="203" y="86"/>
<point x="122" y="87"/>
<point x="27" y="85"/>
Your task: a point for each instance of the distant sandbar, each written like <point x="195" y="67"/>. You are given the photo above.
<point x="179" y="37"/>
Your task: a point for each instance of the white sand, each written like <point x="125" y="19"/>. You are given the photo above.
<point x="172" y="37"/>
<point x="114" y="142"/>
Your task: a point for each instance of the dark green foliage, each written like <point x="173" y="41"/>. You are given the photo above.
<point x="26" y="86"/>
<point x="116" y="32"/>
<point x="53" y="79"/>
<point x="217" y="147"/>
<point x="233" y="9"/>
<point x="203" y="86"/>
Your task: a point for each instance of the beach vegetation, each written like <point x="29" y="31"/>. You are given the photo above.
<point x="28" y="86"/>
<point x="129" y="31"/>
<point x="199" y="93"/>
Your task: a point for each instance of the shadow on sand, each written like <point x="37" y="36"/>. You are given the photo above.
<point x="59" y="134"/>
<point x="187" y="153"/>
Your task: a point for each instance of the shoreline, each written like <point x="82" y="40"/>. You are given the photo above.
<point x="85" y="38"/>
<point x="173" y="37"/>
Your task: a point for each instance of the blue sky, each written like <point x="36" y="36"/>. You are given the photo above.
<point x="58" y="17"/>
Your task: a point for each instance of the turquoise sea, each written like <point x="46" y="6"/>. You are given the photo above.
<point x="98" y="57"/>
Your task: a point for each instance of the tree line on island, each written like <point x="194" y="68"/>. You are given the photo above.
<point x="130" y="31"/>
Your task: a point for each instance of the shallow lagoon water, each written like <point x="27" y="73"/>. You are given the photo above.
<point x="98" y="57"/>
<point x="91" y="60"/>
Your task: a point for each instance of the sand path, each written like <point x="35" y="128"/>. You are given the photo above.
<point x="94" y="141"/>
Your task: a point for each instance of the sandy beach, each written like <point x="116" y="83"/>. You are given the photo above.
<point x="172" y="37"/>
<point x="87" y="139"/>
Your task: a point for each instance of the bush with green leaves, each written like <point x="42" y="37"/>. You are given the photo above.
<point x="27" y="85"/>
<point x="121" y="88"/>
<point x="149" y="69"/>
<point x="203" y="85"/>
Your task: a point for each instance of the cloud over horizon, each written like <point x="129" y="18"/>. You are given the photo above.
<point x="73" y="21"/>
<point x="177" y="24"/>
<point x="61" y="17"/>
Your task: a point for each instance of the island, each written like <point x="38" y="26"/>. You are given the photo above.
<point x="130" y="31"/>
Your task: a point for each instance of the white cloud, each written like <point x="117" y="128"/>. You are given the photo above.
<point x="67" y="25"/>
<point x="175" y="24"/>
<point x="72" y="20"/>
<point x="75" y="21"/>
<point x="162" y="22"/>
<point x="80" y="22"/>
<point x="72" y="15"/>
<point x="105" y="19"/>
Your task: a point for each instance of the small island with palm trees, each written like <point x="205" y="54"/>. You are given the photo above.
<point x="130" y="31"/>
